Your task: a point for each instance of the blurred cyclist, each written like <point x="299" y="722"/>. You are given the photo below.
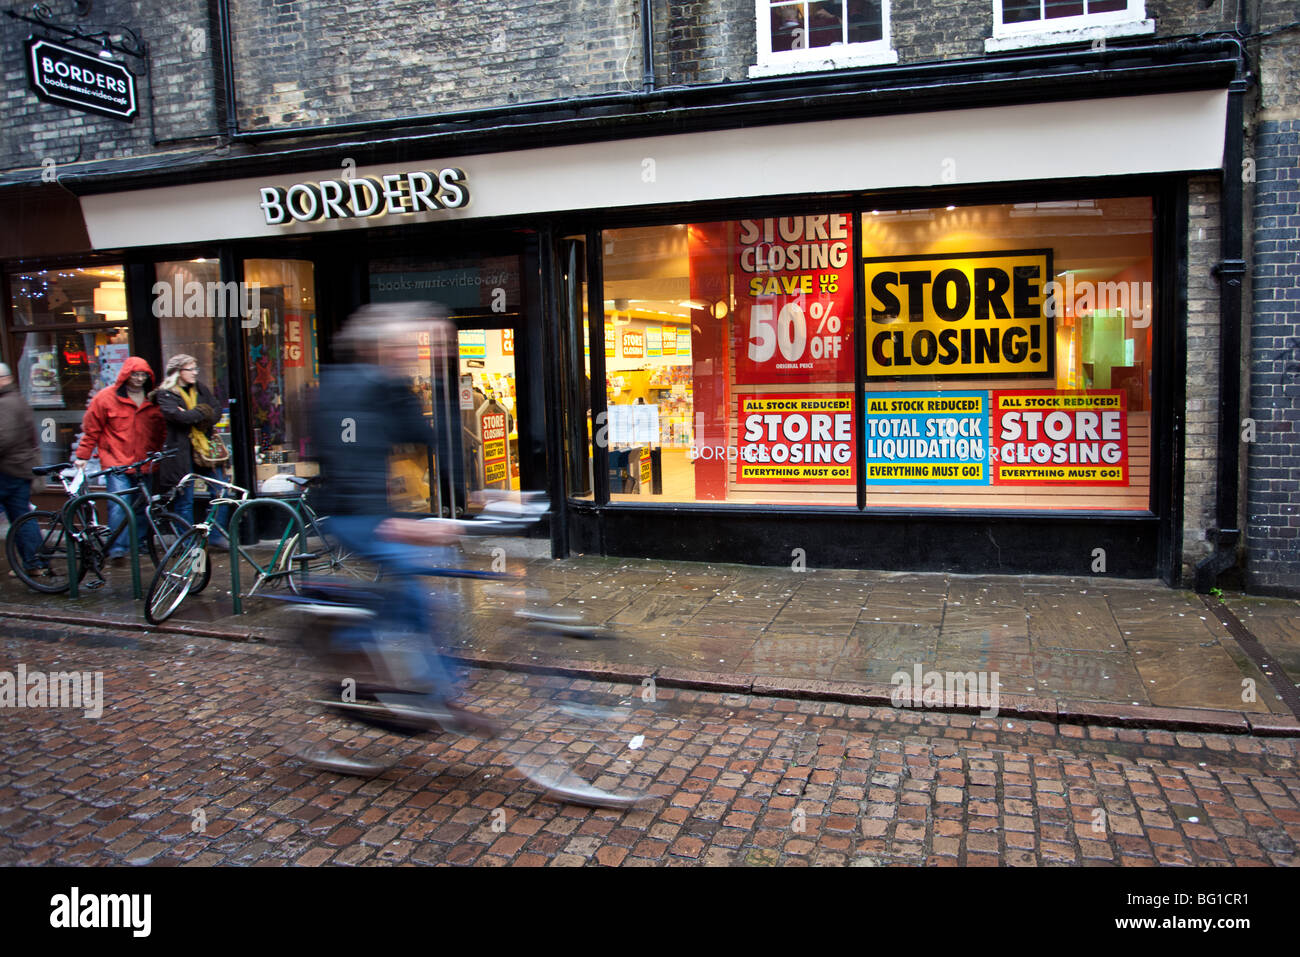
<point x="363" y="409"/>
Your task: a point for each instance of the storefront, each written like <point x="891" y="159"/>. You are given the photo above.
<point x="817" y="344"/>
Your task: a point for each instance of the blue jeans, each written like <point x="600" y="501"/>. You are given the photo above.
<point x="408" y="610"/>
<point x="183" y="505"/>
<point x="117" y="484"/>
<point x="16" y="498"/>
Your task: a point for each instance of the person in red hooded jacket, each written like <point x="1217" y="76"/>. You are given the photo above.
<point x="125" y="426"/>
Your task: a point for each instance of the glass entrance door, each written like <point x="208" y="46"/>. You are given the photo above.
<point x="468" y="387"/>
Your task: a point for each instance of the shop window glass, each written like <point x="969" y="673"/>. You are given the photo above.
<point x="49" y="297"/>
<point x="1009" y="355"/>
<point x="579" y="418"/>
<point x="191" y="304"/>
<point x="729" y="370"/>
<point x="59" y="372"/>
<point x="283" y="365"/>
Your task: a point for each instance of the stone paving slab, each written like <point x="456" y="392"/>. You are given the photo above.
<point x="1076" y="640"/>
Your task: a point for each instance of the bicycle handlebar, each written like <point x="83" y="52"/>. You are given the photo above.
<point x="150" y="459"/>
<point x="195" y="477"/>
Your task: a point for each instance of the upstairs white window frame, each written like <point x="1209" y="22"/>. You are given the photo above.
<point x="1129" y="22"/>
<point x="810" y="59"/>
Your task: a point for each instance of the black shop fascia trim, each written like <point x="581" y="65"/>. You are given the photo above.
<point x="1168" y="66"/>
<point x="867" y="515"/>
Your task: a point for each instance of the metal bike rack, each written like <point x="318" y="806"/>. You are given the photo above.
<point x="232" y="533"/>
<point x="70" y="508"/>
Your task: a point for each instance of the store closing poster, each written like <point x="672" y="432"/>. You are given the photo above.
<point x="927" y="438"/>
<point x="794" y="299"/>
<point x="1052" y="438"/>
<point x="796" y="437"/>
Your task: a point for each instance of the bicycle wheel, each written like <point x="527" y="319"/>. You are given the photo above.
<point x="170" y="527"/>
<point x="50" y="563"/>
<point x="333" y="562"/>
<point x="183" y="567"/>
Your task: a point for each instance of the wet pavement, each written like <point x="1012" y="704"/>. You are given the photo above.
<point x="192" y="761"/>
<point x="1131" y="652"/>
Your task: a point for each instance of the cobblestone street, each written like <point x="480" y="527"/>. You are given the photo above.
<point x="189" y="764"/>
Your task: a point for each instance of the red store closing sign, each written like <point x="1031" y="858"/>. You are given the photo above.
<point x="794" y="300"/>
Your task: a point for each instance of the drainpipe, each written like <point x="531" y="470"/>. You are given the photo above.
<point x="647" y="48"/>
<point x="227" y="61"/>
<point x="1231" y="271"/>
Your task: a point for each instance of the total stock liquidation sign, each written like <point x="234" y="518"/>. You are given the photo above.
<point x="794" y="300"/>
<point x="967" y="315"/>
<point x="1002" y="437"/>
<point x="927" y="438"/>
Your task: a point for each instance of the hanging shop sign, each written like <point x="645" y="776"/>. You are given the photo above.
<point x="654" y="344"/>
<point x="507" y="342"/>
<point x="668" y="340"/>
<point x="683" y="341"/>
<point x="927" y="438"/>
<point x="797" y="437"/>
<point x="972" y="315"/>
<point x="794" y="300"/>
<point x="1052" y="438"/>
<point x="364" y="196"/>
<point x="80" y="81"/>
<point x="609" y="340"/>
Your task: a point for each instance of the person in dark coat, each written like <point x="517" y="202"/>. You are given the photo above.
<point x="18" y="456"/>
<point x="189" y="409"/>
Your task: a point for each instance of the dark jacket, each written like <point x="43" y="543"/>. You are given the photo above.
<point x="18" y="451"/>
<point x="361" y="412"/>
<point x="180" y="419"/>
<point x="122" y="431"/>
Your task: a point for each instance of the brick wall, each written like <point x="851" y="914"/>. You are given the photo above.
<point x="183" y="102"/>
<point x="1200" y="467"/>
<point x="1273" y="459"/>
<point x="309" y="63"/>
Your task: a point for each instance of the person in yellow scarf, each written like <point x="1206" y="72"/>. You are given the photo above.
<point x="189" y="409"/>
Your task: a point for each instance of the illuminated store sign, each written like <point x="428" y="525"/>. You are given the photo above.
<point x="361" y="197"/>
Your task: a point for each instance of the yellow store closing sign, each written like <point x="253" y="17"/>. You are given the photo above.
<point x="959" y="316"/>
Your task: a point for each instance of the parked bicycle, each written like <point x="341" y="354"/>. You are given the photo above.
<point x="48" y="571"/>
<point x="330" y="559"/>
<point x="186" y="569"/>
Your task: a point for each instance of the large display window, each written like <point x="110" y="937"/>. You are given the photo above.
<point x="729" y="362"/>
<point x="1008" y="358"/>
<point x="283" y="365"/>
<point x="191" y="304"/>
<point x="69" y="338"/>
<point x="1009" y="354"/>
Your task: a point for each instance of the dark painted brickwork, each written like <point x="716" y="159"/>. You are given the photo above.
<point x="1273" y="463"/>
<point x="183" y="104"/>
<point x="307" y="64"/>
